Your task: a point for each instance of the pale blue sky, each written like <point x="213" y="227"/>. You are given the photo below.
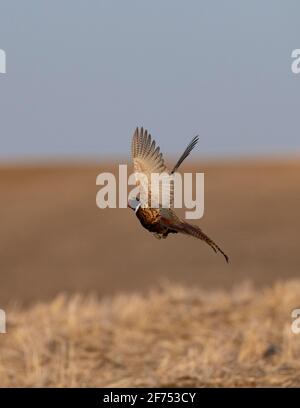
<point x="82" y="74"/>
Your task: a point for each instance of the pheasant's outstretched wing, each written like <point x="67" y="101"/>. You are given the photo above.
<point x="148" y="160"/>
<point x="170" y="219"/>
<point x="185" y="154"/>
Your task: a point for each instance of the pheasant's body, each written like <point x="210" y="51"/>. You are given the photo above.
<point x="152" y="220"/>
<point x="159" y="219"/>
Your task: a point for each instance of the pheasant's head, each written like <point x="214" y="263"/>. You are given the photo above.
<point x="134" y="204"/>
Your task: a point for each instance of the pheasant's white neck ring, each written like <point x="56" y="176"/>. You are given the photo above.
<point x="137" y="207"/>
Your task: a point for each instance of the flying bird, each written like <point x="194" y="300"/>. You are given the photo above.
<point x="161" y="221"/>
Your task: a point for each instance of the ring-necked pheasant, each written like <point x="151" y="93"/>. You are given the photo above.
<point x="161" y="221"/>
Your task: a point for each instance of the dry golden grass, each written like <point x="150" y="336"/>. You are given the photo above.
<point x="173" y="336"/>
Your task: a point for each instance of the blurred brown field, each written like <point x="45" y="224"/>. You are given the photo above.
<point x="53" y="238"/>
<point x="83" y="288"/>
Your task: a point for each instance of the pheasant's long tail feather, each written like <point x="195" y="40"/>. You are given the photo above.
<point x="193" y="230"/>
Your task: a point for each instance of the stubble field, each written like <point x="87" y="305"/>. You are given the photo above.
<point x="92" y="299"/>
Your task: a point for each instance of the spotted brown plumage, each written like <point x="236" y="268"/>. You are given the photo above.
<point x="150" y="208"/>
